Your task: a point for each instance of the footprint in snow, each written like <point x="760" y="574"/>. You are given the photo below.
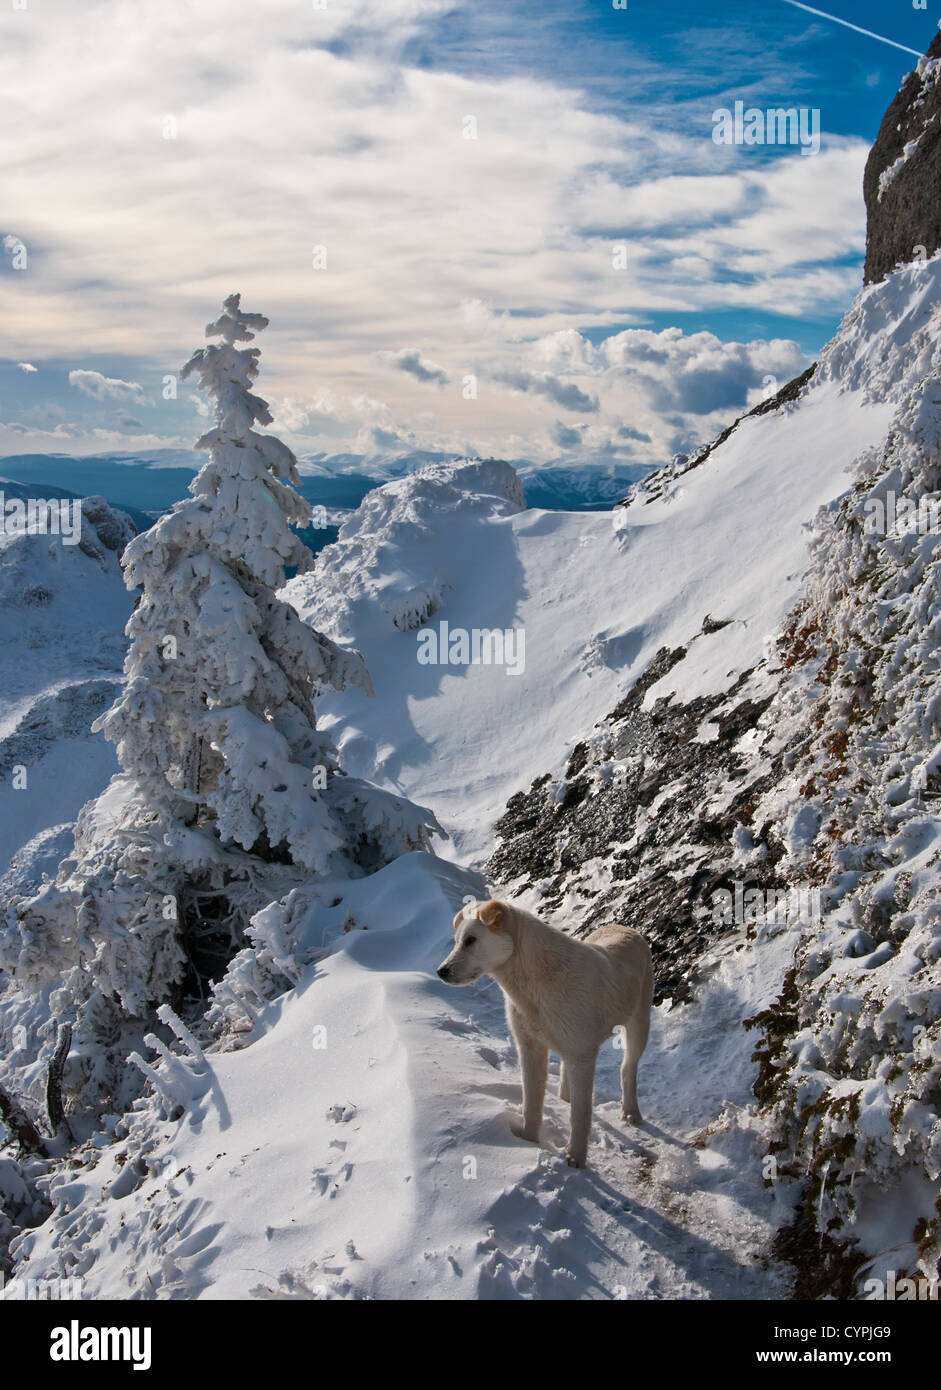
<point x="326" y="1183"/>
<point x="489" y="1056"/>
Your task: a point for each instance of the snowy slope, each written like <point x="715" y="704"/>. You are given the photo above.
<point x="63" y="609"/>
<point x="361" y="1146"/>
<point x="597" y="594"/>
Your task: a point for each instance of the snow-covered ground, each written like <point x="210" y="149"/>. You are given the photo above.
<point x="595" y="595"/>
<point x="360" y="1146"/>
<point x="63" y="608"/>
<point x="359" y="1143"/>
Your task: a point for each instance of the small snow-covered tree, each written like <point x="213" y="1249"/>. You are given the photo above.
<point x="216" y="721"/>
<point x="230" y="795"/>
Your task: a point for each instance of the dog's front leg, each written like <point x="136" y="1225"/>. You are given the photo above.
<point x="580" y="1075"/>
<point x="534" y="1066"/>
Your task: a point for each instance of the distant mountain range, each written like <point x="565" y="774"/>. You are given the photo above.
<point x="146" y="484"/>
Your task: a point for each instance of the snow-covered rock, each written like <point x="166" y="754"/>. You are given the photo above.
<point x="903" y="172"/>
<point x="63" y="608"/>
<point x="396" y="555"/>
<point x="815" y="776"/>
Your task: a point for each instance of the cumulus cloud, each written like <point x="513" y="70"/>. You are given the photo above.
<point x="698" y="374"/>
<point x="645" y="395"/>
<point x="105" y="387"/>
<point x="498" y="248"/>
<point x="410" y="360"/>
<point x="657" y="393"/>
<point x="566" y="436"/>
<point x="564" y="393"/>
<point x="27" y="367"/>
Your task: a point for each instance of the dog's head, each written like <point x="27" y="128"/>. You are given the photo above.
<point x="482" y="943"/>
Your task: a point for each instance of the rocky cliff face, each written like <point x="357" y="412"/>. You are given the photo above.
<point x="902" y="184"/>
<point x="643" y="825"/>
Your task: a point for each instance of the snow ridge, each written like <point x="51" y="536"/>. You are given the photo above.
<point x="390" y="552"/>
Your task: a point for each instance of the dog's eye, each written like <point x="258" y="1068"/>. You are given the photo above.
<point x="469" y="940"/>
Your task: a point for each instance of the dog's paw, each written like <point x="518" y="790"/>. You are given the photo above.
<point x="575" y="1160"/>
<point x="521" y="1132"/>
<point x="632" y="1117"/>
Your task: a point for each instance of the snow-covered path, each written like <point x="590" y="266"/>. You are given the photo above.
<point x="361" y="1147"/>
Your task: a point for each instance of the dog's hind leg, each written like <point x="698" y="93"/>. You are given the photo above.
<point x="534" y="1066"/>
<point x="581" y="1077"/>
<point x="564" y="1091"/>
<point x="635" y="1040"/>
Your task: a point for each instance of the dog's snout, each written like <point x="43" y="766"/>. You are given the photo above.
<point x="444" y="972"/>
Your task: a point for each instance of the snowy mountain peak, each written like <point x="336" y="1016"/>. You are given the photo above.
<point x="398" y="553"/>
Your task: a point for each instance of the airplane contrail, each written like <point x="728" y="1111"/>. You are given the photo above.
<point x="834" y="19"/>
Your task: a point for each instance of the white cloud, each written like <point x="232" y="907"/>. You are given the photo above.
<point x="27" y="367"/>
<point x="697" y="374"/>
<point x="493" y="253"/>
<point x="642" y="395"/>
<point x="105" y="387"/>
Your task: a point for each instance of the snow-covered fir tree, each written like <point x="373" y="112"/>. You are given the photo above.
<point x="230" y="796"/>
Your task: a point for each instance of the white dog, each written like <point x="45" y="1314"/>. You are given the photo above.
<point x="561" y="994"/>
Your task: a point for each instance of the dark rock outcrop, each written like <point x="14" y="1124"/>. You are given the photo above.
<point x="902" y="184"/>
<point x="640" y="827"/>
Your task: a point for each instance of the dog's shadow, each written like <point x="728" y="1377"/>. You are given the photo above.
<point x="632" y="1134"/>
<point x="587" y="1192"/>
<point x="553" y="1133"/>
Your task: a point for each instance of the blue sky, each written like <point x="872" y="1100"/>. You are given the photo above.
<point x="158" y="156"/>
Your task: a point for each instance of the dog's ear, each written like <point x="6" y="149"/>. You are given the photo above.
<point x="492" y="915"/>
<point x="458" y="919"/>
